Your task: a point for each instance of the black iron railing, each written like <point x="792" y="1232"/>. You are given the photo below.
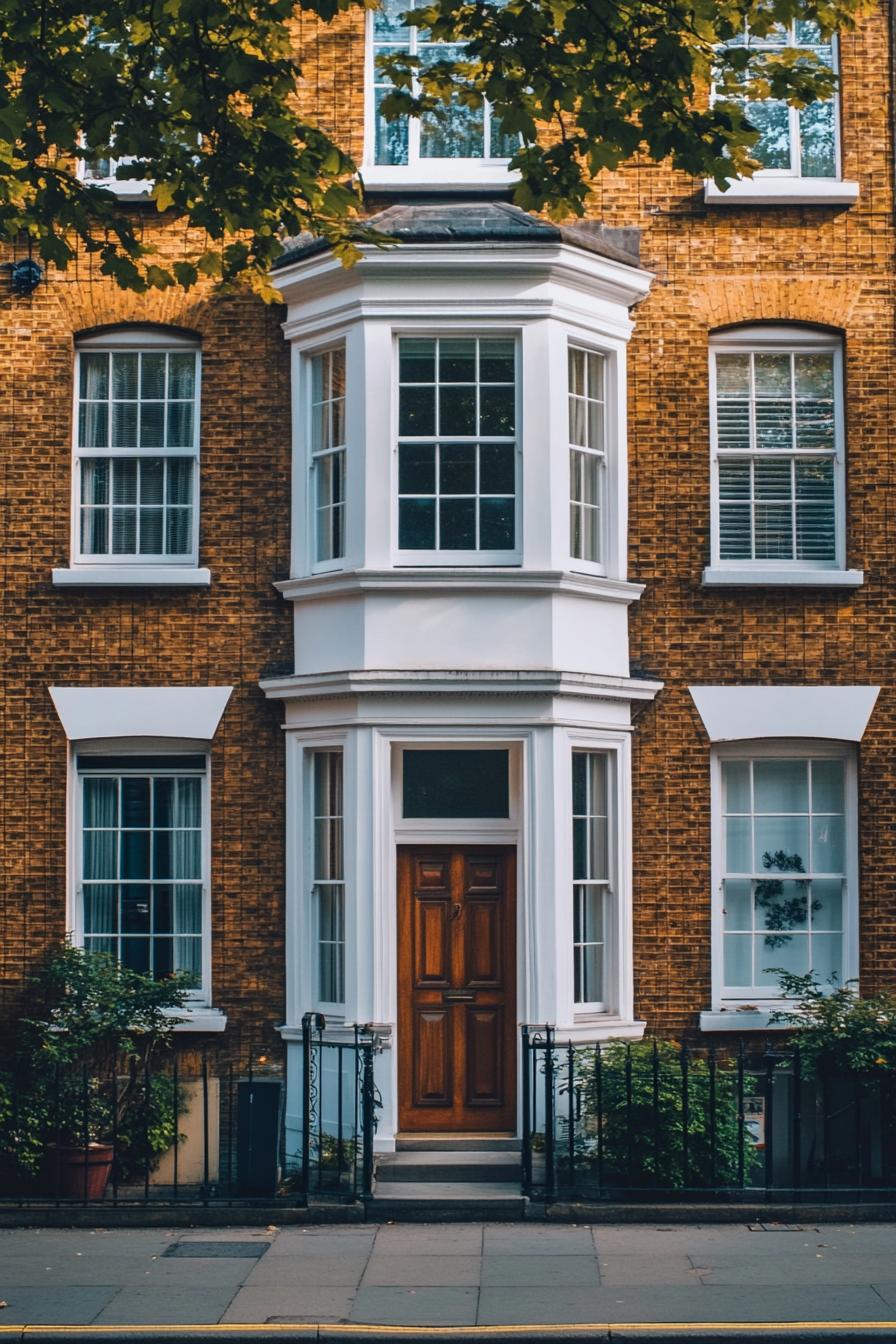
<point x="194" y="1127"/>
<point x="339" y="1105"/>
<point x="629" y="1121"/>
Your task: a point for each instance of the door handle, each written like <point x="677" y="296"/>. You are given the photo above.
<point x="458" y="995"/>
<point x="454" y="912"/>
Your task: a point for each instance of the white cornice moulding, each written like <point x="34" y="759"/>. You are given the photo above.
<point x="741" y="713"/>
<point x="140" y="711"/>
<point x="409" y="263"/>
<point x="327" y="685"/>
<point x="762" y="190"/>
<point x="347" y="583"/>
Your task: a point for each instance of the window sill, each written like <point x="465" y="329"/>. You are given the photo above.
<point x="137" y="189"/>
<point x="716" y="577"/>
<point x="197" y="1018"/>
<point x="599" y="1027"/>
<point x="132" y="576"/>
<point x="761" y="190"/>
<point x="739" y="1019"/>
<point x="454" y="175"/>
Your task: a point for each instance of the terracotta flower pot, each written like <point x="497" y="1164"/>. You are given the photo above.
<point x="70" y="1165"/>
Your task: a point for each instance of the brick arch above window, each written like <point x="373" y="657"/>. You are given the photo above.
<point x="816" y="301"/>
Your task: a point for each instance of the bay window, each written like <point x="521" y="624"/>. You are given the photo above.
<point x="786" y="846"/>
<point x="457" y="450"/>
<point x="328" y="876"/>
<point x="328" y="449"/>
<point x="587" y="455"/>
<point x="143" y="861"/>
<point x="591" y="876"/>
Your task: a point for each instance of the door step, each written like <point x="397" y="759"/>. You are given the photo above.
<point x="415" y="1167"/>
<point x="449" y="1183"/>
<point x="457" y="1143"/>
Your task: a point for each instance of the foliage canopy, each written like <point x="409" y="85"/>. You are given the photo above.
<point x="202" y="99"/>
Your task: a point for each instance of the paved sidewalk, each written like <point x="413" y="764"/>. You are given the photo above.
<point x="450" y="1275"/>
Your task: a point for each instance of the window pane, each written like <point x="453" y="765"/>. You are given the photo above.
<point x="101" y="908"/>
<point x="181" y="375"/>
<point x="457" y="468"/>
<point x="497" y="411"/>
<point x="738" y="858"/>
<point x="125" y="376"/>
<point x="180" y="424"/>
<point x="782" y="835"/>
<point x="736" y="783"/>
<point x="818" y="152"/>
<point x="100" y="802"/>
<point x="124" y="424"/>
<point x="457" y="524"/>
<point x="781" y="786"/>
<point x="417" y="524"/>
<point x="152" y="375"/>
<point x="827" y="903"/>
<point x="455" y="783"/>
<point x="738" y="959"/>
<point x="772" y="120"/>
<point x="827" y="786"/>
<point x="497" y="362"/>
<point x="827" y="957"/>
<point x="94" y="369"/>
<point x="738" y="911"/>
<point x="497" y="468"/>
<point x="457" y="410"/>
<point x="828" y="839"/>
<point x="496" y="524"/>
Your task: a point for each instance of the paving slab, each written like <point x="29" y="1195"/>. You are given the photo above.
<point x="806" y="1269"/>
<point x="317" y="1271"/>
<point x="886" y="1288"/>
<point x="196" y="1305"/>
<point x="296" y="1242"/>
<point x="553" y="1271"/>
<point x="430" y="1239"/>
<point x="280" y="1306"/>
<point x="626" y="1271"/>
<point x="422" y="1270"/>
<point x="26" y="1242"/>
<point x="183" y="1273"/>
<point x="523" y="1240"/>
<point x="415" y="1306"/>
<point x="49" y="1305"/>
<point x="541" y="1306"/>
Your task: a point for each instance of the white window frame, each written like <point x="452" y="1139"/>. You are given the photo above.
<point x="608" y="493"/>
<point x="308" y="357"/>
<point x="329" y="1007"/>
<point x="460" y="172"/>
<point x="769" y="997"/>
<point x="407" y="559"/>
<point x="201" y="995"/>
<point x="136" y="188"/>
<point x="134" y="339"/>
<point x="778" y="339"/>
<point x="610" y="885"/>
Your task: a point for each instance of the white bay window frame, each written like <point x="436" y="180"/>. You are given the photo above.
<point x="785" y="340"/>
<point x="437" y="556"/>
<point x="767" y="997"/>
<point x="324" y="454"/>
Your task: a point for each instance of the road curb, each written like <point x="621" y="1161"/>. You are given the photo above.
<point x="644" y="1332"/>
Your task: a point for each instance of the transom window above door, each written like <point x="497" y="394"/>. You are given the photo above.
<point x="455" y="138"/>
<point x="457" y="450"/>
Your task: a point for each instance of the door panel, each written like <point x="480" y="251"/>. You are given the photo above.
<point x="432" y="1047"/>
<point x="456" y="988"/>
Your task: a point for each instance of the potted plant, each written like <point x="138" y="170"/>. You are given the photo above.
<point x="84" y="1092"/>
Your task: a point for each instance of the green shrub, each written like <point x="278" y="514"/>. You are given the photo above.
<point x="640" y="1143"/>
<point x="836" y="1030"/>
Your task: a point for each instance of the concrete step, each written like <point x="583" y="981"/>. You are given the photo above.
<point x="441" y="1167"/>
<point x="457" y="1143"/>
<point x="447" y="1201"/>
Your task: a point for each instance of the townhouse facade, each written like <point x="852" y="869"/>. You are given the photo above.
<point x="497" y="632"/>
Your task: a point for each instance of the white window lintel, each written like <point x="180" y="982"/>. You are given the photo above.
<point x="742" y="713"/>
<point x="192" y="712"/>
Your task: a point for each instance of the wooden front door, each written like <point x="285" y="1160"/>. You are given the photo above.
<point x="456" y="988"/>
